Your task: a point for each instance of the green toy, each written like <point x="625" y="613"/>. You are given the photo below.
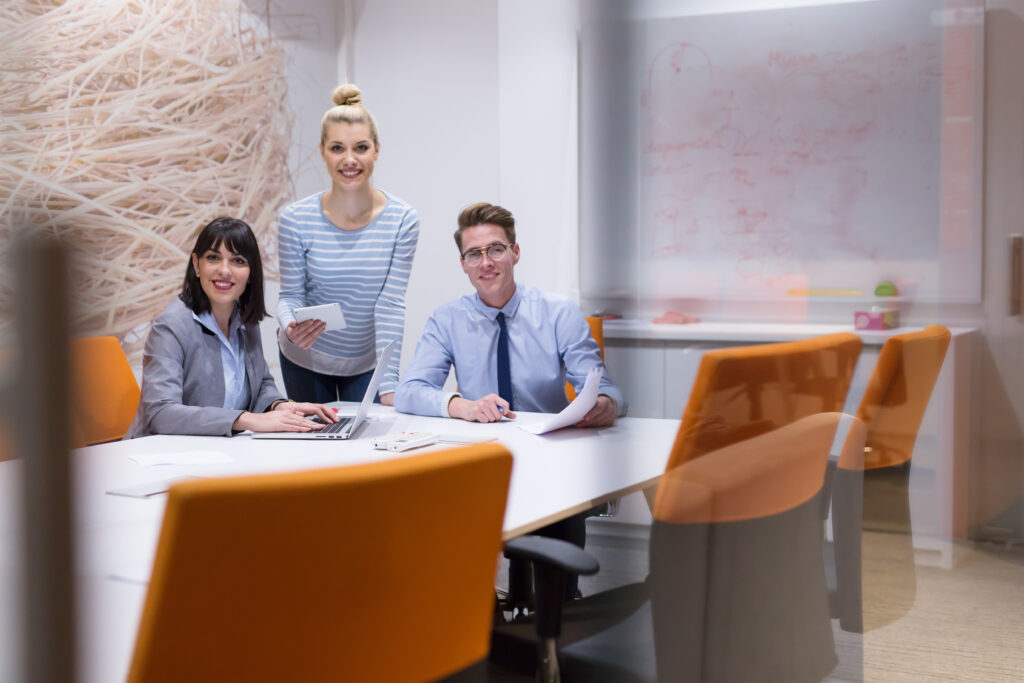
<point x="886" y="288"/>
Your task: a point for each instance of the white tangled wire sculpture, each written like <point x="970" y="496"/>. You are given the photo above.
<point x="126" y="126"/>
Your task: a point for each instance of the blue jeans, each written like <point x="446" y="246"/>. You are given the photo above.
<point x="313" y="387"/>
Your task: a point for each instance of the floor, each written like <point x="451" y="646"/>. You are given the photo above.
<point x="964" y="624"/>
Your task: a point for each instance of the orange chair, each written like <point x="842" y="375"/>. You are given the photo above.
<point x="898" y="394"/>
<point x="745" y="391"/>
<point x="362" y="573"/>
<point x="597" y="332"/>
<point x="875" y="488"/>
<point x="737" y="588"/>
<point x="105" y="394"/>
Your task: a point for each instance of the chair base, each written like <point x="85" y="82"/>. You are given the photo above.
<point x="604" y="638"/>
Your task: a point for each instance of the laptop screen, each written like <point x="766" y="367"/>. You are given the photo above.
<point x="371" y="390"/>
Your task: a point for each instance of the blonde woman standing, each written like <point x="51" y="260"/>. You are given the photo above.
<point x="352" y="244"/>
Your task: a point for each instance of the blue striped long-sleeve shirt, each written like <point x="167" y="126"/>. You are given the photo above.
<point x="365" y="270"/>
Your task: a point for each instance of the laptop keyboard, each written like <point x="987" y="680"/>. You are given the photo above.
<point x="336" y="427"/>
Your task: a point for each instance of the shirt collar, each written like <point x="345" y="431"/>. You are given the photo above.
<point x="509" y="309"/>
<point x="207" y="320"/>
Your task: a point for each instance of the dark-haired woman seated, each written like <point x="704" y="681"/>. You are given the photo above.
<point x="203" y="369"/>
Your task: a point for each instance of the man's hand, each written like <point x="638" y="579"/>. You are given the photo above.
<point x="490" y="408"/>
<point x="387" y="399"/>
<point x="601" y="415"/>
<point x="305" y="333"/>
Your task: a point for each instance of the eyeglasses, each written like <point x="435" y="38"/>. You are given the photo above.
<point x="495" y="252"/>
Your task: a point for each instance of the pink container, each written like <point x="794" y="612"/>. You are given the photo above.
<point x="876" y="320"/>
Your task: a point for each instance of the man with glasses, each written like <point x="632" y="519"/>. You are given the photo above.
<point x="513" y="346"/>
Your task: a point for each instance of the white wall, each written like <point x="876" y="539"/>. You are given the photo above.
<point x="538" y="116"/>
<point x="307" y="30"/>
<point x="429" y="75"/>
<point x="476" y="101"/>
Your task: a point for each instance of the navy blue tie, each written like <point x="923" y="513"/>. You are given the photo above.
<point x="504" y="373"/>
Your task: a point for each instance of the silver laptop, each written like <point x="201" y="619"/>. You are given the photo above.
<point x="346" y="426"/>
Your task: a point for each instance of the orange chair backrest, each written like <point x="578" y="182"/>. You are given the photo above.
<point x="758" y="477"/>
<point x="898" y="393"/>
<point x="105" y="394"/>
<point x="597" y="332"/>
<point x="742" y="392"/>
<point x="377" y="572"/>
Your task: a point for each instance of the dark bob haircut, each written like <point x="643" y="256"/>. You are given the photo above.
<point x="238" y="237"/>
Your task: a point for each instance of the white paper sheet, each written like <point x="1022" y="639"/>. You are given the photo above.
<point x="575" y="411"/>
<point x="148" y="489"/>
<point x="186" y="458"/>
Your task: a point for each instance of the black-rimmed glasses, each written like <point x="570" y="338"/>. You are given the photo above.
<point x="495" y="252"/>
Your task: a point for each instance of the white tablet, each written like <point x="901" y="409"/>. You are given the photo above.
<point x="329" y="313"/>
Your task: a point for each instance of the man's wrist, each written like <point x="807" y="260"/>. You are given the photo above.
<point x="448" y="398"/>
<point x="615" y="404"/>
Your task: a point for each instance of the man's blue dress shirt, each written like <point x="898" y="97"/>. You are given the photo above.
<point x="549" y="343"/>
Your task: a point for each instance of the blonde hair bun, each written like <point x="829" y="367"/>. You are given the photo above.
<point x="347" y="95"/>
<point x="348" y="108"/>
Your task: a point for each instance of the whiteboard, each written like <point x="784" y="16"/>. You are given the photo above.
<point x="754" y="155"/>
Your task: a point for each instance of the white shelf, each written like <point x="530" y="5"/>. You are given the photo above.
<point x="747" y="332"/>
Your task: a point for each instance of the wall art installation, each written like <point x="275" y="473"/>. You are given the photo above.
<point x="129" y="124"/>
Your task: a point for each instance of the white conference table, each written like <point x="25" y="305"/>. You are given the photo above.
<point x="553" y="476"/>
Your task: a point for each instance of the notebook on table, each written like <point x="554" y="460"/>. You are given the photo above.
<point x="347" y="425"/>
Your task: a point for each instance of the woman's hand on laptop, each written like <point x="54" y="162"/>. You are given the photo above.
<point x="287" y="416"/>
<point x="278" y="420"/>
<point x="326" y="414"/>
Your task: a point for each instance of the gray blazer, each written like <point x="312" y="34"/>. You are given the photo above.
<point x="183" y="378"/>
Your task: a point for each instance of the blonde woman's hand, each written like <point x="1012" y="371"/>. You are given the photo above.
<point x="305" y="333"/>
